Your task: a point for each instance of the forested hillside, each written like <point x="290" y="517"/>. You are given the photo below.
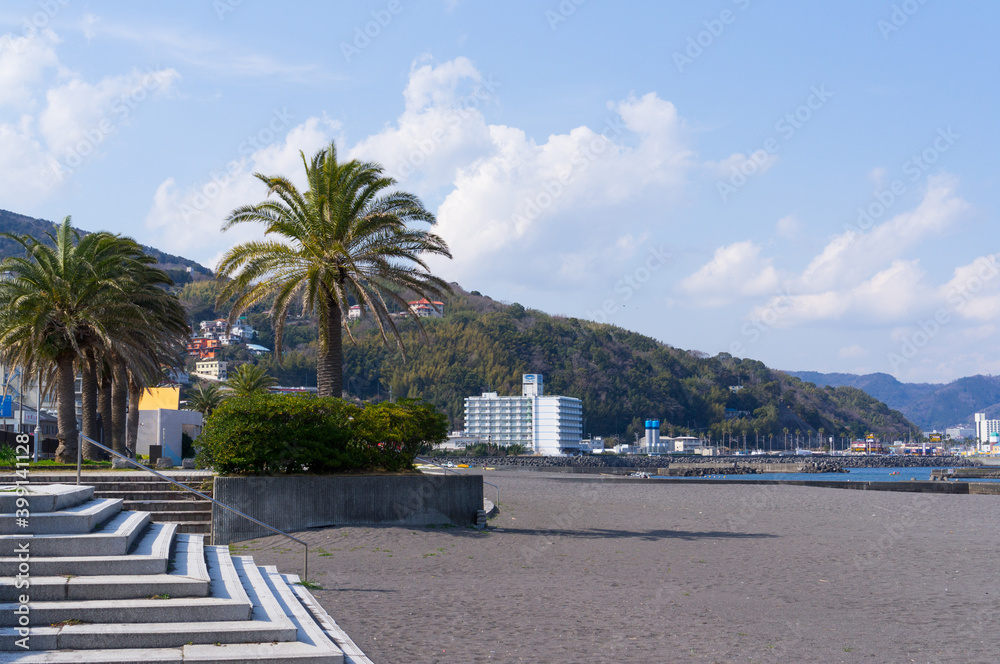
<point x="622" y="377"/>
<point x="11" y="222"/>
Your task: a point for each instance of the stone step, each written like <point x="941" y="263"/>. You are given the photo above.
<point x="187" y="577"/>
<point x="149" y="555"/>
<point x="168" y="506"/>
<point x="77" y="519"/>
<point x="114" y="538"/>
<point x="204" y="528"/>
<point x="103" y="479"/>
<point x="189" y="517"/>
<point x="227" y="601"/>
<point x="147" y="485"/>
<point x="267" y="624"/>
<point x="157" y="495"/>
<point x="125" y="656"/>
<point x="44" y="498"/>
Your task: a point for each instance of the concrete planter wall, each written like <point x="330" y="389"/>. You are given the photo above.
<point x="297" y="503"/>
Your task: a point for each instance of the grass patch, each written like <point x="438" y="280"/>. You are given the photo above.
<point x="311" y="585"/>
<point x="71" y="621"/>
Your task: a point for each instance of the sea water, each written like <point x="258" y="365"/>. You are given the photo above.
<point x="853" y="475"/>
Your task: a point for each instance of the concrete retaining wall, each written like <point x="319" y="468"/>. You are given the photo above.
<point x="297" y="503"/>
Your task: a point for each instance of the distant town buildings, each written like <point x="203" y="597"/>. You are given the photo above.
<point x="551" y="425"/>
<point x="422" y="308"/>
<point x="220" y="330"/>
<point x="961" y="432"/>
<point x="211" y="369"/>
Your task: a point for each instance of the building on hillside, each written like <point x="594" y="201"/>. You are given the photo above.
<point x="203" y="348"/>
<point x="551" y="425"/>
<point x="211" y="369"/>
<point x="984" y="428"/>
<point x="354" y="313"/>
<point x="425" y="308"/>
<point x="239" y="332"/>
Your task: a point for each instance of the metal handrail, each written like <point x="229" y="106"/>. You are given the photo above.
<point x="452" y="470"/>
<point x="79" y="463"/>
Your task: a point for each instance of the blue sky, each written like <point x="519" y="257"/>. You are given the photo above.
<point x="809" y="184"/>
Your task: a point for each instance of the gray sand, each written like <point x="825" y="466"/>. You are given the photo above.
<point x="586" y="572"/>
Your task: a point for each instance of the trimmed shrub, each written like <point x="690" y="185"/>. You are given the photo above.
<point x="393" y="433"/>
<point x="272" y="433"/>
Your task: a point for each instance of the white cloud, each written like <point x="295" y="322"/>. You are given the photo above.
<point x="188" y="220"/>
<point x="52" y="119"/>
<point x="974" y="289"/>
<point x="852" y="256"/>
<point x="736" y="270"/>
<point x="852" y="351"/>
<point x="79" y="112"/>
<point x="788" y="226"/>
<point x="892" y="294"/>
<point x="23" y="62"/>
<point x="441" y="129"/>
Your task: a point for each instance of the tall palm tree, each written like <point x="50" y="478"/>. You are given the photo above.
<point x="73" y="302"/>
<point x="347" y="238"/>
<point x="59" y="299"/>
<point x="249" y="379"/>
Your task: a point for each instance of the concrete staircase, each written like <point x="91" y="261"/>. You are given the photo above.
<point x="147" y="493"/>
<point x="111" y="585"/>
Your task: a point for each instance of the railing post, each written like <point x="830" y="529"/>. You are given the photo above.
<point x="79" y="456"/>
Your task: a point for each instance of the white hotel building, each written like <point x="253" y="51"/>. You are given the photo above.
<point x="987" y="432"/>
<point x="549" y="425"/>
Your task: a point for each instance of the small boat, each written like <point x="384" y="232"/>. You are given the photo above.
<point x="640" y="474"/>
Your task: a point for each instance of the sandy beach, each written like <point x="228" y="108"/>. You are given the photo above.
<point x="577" y="571"/>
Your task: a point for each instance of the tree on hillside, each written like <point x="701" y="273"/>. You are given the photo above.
<point x="345" y="239"/>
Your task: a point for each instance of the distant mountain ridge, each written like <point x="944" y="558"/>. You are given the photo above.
<point x="12" y="222"/>
<point x="929" y="405"/>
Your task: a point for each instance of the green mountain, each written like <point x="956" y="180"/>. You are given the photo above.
<point x="11" y="222"/>
<point x="622" y="377"/>
<point x="929" y="405"/>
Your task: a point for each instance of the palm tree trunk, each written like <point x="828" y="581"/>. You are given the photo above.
<point x="104" y="407"/>
<point x="330" y="363"/>
<point x="88" y="384"/>
<point x="132" y="421"/>
<point x="69" y="436"/>
<point x="119" y="401"/>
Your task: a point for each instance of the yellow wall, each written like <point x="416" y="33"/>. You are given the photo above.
<point x="155" y="398"/>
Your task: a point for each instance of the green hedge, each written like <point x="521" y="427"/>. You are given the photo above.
<point x="272" y="433"/>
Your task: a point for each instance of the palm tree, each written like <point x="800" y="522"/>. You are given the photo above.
<point x="345" y="239"/>
<point x="58" y="300"/>
<point x="71" y="303"/>
<point x="204" y="398"/>
<point x="249" y="379"/>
